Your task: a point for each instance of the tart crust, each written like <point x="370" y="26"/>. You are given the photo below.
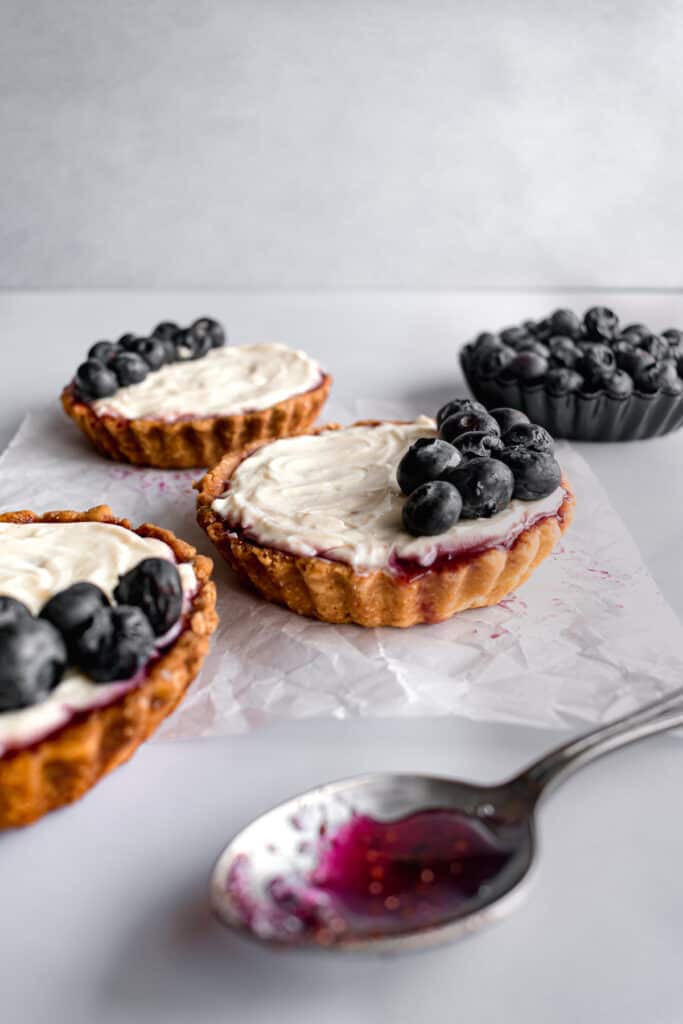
<point x="192" y="442"/>
<point x="63" y="766"/>
<point x="336" y="593"/>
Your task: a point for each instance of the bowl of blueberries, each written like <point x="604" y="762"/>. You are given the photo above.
<point x="588" y="378"/>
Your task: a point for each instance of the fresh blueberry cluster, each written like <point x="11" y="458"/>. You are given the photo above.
<point x="79" y="626"/>
<point x="571" y="355"/>
<point x="115" y="364"/>
<point x="479" y="462"/>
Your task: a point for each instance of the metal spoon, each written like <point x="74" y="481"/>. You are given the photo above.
<point x="285" y="842"/>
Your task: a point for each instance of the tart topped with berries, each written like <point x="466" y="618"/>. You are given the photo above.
<point x="588" y="378"/>
<point x="181" y="397"/>
<point x="386" y="523"/>
<point x="102" y="629"/>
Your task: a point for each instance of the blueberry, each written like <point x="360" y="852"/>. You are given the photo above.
<point x="95" y="380"/>
<point x="543" y="329"/>
<point x="425" y="460"/>
<point x="514" y="336"/>
<point x="656" y="346"/>
<point x="205" y="327"/>
<point x="529" y="435"/>
<point x="564" y="352"/>
<point x="104" y="351"/>
<point x="130" y="368"/>
<point x="457" y="405"/>
<point x="12" y="611"/>
<point x="566" y="323"/>
<point x="486" y="340"/>
<point x="127" y="342"/>
<point x="154" y="586"/>
<point x="477" y="444"/>
<point x="536" y="474"/>
<point x="634" y="332"/>
<point x="493" y="361"/>
<point x="432" y="508"/>
<point x="72" y="609"/>
<point x="596" y="364"/>
<point x="115" y="646"/>
<point x="506" y="417"/>
<point x="154" y="352"/>
<point x="528" y="366"/>
<point x="534" y="345"/>
<point x="635" y="361"/>
<point x="673" y="337"/>
<point x="184" y="345"/>
<point x="166" y="330"/>
<point x="170" y="354"/>
<point x="660" y="375"/>
<point x="485" y="486"/>
<point x="32" y="661"/>
<point x="560" y="380"/>
<point x="623" y="347"/>
<point x="469" y="419"/>
<point x="619" y="385"/>
<point x="601" y="322"/>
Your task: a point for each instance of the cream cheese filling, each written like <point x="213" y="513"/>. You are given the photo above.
<point x="38" y="560"/>
<point x="226" y="381"/>
<point x="335" y="495"/>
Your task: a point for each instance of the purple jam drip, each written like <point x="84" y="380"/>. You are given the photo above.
<point x="376" y="879"/>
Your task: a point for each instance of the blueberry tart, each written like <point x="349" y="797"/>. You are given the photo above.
<point x="588" y="378"/>
<point x="102" y="630"/>
<point x="181" y="397"/>
<point x="390" y="524"/>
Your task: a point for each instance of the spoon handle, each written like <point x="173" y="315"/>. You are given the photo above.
<point x="660" y="715"/>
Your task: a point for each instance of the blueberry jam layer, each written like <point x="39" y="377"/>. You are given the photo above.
<point x="372" y="879"/>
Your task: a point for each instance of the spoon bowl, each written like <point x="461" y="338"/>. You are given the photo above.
<point x="267" y="882"/>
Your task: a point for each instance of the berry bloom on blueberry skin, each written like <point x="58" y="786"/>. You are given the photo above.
<point x="154" y="586"/>
<point x="457" y="405"/>
<point x="529" y="435"/>
<point x="506" y="417"/>
<point x="72" y="609"/>
<point x="468" y="420"/>
<point x="12" y="611"/>
<point x="115" y="645"/>
<point x="104" y="351"/>
<point x="477" y="444"/>
<point x="601" y="322"/>
<point x="536" y="474"/>
<point x="432" y="509"/>
<point x="129" y="368"/>
<point x="566" y="323"/>
<point x="95" y="380"/>
<point x="32" y="661"/>
<point x="485" y="485"/>
<point x="425" y="460"/>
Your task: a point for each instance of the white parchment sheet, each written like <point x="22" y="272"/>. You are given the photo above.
<point x="587" y="637"/>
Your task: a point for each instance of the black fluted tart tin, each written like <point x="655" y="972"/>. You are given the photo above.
<point x="579" y="415"/>
<point x="596" y="417"/>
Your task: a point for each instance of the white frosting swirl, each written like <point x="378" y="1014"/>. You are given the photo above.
<point x="225" y="382"/>
<point x="38" y="560"/>
<point x="335" y="494"/>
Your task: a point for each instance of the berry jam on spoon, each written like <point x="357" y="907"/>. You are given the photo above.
<point x="399" y="862"/>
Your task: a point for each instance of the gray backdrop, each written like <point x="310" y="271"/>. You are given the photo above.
<point x="313" y="143"/>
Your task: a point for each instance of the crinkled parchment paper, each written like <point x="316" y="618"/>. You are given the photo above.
<point x="587" y="637"/>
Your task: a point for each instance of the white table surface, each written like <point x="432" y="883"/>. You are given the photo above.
<point x="103" y="910"/>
